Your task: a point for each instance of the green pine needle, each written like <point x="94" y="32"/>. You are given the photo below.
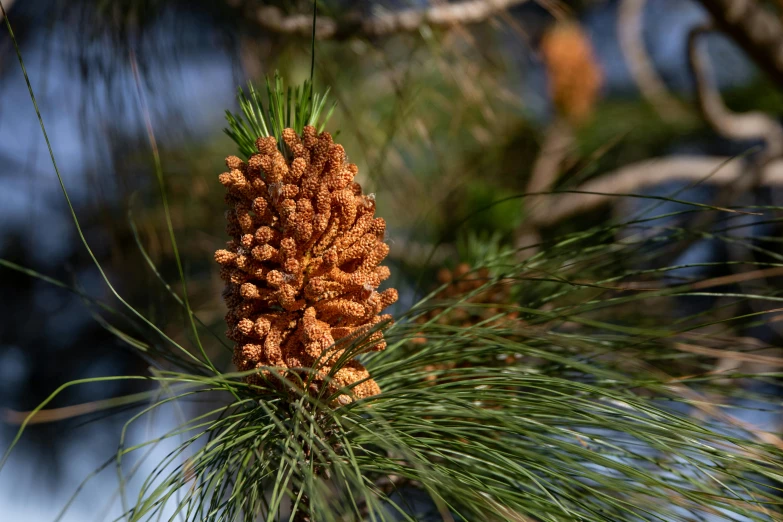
<point x="284" y="107"/>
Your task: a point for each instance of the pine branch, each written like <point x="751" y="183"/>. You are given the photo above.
<point x="406" y="20"/>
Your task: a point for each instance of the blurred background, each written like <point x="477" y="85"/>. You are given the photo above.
<point x="451" y="110"/>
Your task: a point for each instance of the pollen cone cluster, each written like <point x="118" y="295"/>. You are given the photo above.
<point x="303" y="267"/>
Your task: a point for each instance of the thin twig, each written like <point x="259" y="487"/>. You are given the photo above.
<point x="406" y="20"/>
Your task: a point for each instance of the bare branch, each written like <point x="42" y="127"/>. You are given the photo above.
<point x="747" y="126"/>
<point x="630" y="36"/>
<point x="631" y="179"/>
<point x="406" y="20"/>
<point x="757" y="30"/>
<point x="558" y="141"/>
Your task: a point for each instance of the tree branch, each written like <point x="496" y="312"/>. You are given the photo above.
<point x="757" y="30"/>
<point x="632" y="178"/>
<point x="746" y="126"/>
<point x="406" y="20"/>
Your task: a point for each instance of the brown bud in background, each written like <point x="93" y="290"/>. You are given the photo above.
<point x="575" y="78"/>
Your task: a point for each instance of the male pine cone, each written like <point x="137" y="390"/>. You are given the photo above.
<point x="302" y="269"/>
